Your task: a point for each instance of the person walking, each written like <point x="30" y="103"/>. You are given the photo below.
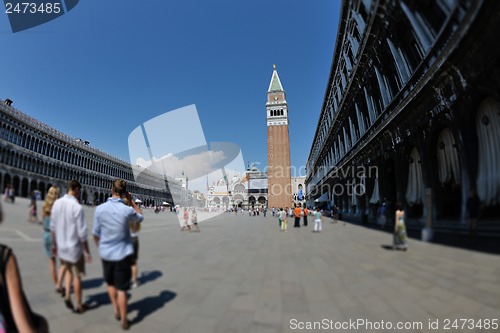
<point x="9" y="193"/>
<point x="194" y="220"/>
<point x="69" y="240"/>
<point x="185" y="217"/>
<point x="134" y="236"/>
<point x="283" y="221"/>
<point x="50" y="199"/>
<point x="296" y="214"/>
<point x="335" y="214"/>
<point x="400" y="229"/>
<point x="317" y="220"/>
<point x="6" y="192"/>
<point x="382" y="219"/>
<point x="111" y="233"/>
<point x="33" y="216"/>
<point x="278" y="214"/>
<point x="306" y="212"/>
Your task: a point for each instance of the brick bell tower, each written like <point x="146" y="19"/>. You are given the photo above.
<point x="278" y="146"/>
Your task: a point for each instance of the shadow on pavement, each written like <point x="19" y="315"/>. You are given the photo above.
<point x="94" y="301"/>
<point x="448" y="234"/>
<point x="388" y="247"/>
<point x="149" y="276"/>
<point x="92" y="283"/>
<point x="148" y="305"/>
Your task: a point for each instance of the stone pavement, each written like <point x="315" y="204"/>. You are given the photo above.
<point x="240" y="274"/>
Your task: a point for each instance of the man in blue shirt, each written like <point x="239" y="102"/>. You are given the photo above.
<point x="112" y="236"/>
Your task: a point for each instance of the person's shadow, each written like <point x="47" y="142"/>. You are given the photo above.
<point x="148" y="305"/>
<point x="96" y="300"/>
<point x="92" y="283"/>
<point x="149" y="276"/>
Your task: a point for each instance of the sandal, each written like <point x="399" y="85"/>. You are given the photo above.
<point x="117" y="317"/>
<point x="125" y="325"/>
<point x="81" y="309"/>
<point x="69" y="304"/>
<point x="60" y="291"/>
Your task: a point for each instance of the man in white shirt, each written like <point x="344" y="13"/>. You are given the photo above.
<point x="69" y="241"/>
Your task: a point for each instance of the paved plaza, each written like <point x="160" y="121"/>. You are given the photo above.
<point x="241" y="275"/>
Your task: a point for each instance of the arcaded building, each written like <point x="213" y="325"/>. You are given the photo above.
<point x="411" y="114"/>
<point x="35" y="156"/>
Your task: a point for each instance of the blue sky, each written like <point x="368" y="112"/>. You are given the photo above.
<point x="106" y="67"/>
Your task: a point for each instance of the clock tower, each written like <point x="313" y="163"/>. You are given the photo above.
<point x="278" y="146"/>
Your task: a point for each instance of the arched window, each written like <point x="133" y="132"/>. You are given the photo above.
<point x="415" y="182"/>
<point x="449" y="168"/>
<point x="488" y="132"/>
<point x="240" y="188"/>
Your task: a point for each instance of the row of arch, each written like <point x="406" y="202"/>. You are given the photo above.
<point x="31" y="164"/>
<point x="426" y="117"/>
<point x="24" y="187"/>
<point x="275" y="113"/>
<point x="237" y="200"/>
<point x="450" y="170"/>
<point x="398" y="57"/>
<point x="32" y="158"/>
<point x="61" y="151"/>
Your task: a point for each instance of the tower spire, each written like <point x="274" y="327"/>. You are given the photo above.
<point x="275" y="84"/>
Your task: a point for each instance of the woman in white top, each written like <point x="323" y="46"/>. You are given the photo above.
<point x="317" y="220"/>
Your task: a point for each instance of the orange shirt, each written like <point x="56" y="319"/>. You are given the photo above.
<point x="296" y="211"/>
<point x="306" y="211"/>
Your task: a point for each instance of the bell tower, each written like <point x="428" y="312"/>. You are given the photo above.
<point x="278" y="146"/>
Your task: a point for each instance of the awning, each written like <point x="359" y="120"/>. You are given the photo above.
<point x="376" y="193"/>
<point x="414" y="187"/>
<point x="322" y="198"/>
<point x="354" y="197"/>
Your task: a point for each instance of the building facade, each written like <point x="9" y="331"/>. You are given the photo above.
<point x="34" y="156"/>
<point x="278" y="145"/>
<point x="247" y="191"/>
<point x="411" y="113"/>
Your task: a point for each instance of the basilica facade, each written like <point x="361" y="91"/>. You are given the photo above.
<point x="246" y="191"/>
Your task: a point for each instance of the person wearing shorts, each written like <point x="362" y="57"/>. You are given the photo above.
<point x="112" y="236"/>
<point x="118" y="273"/>
<point x="69" y="241"/>
<point x="134" y="233"/>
